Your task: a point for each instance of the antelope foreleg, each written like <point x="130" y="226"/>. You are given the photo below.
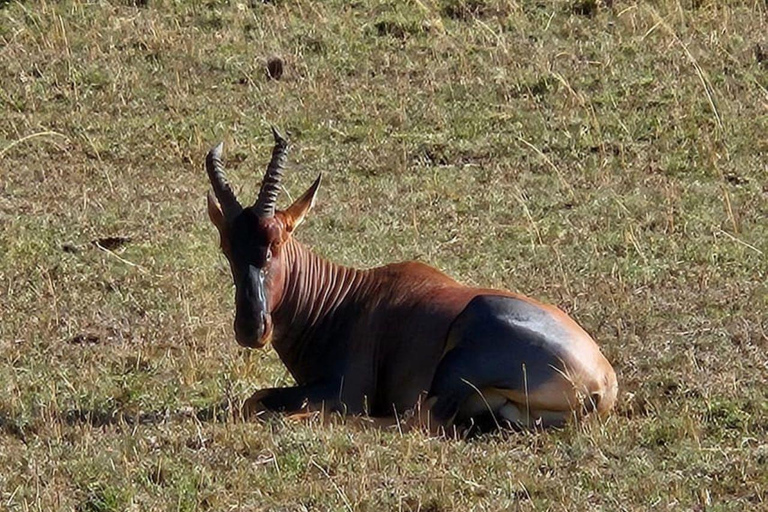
<point x="290" y="401"/>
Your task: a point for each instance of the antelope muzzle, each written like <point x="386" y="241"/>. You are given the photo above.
<point x="253" y="325"/>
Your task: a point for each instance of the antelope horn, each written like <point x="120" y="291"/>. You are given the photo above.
<point x="229" y="205"/>
<point x="270" y="186"/>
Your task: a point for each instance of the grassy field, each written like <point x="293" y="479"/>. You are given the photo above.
<point x="608" y="157"/>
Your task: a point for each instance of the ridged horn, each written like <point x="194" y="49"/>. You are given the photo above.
<point x="270" y="187"/>
<point x="229" y="204"/>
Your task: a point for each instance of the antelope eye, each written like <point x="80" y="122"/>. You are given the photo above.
<point x="269" y="255"/>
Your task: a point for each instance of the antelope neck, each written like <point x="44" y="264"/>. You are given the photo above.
<point x="315" y="292"/>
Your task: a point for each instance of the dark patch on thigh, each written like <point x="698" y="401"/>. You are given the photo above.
<point x="500" y="342"/>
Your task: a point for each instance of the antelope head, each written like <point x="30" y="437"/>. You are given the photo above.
<point x="253" y="240"/>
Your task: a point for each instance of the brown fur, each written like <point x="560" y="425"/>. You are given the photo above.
<point x="370" y="341"/>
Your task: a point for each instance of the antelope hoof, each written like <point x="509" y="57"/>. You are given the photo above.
<point x="305" y="417"/>
<point x="253" y="408"/>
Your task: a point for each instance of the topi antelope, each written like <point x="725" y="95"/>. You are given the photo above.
<point x="374" y="341"/>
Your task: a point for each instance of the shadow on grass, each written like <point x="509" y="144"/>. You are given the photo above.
<point x="102" y="418"/>
<point x="20" y="428"/>
<point x="221" y="412"/>
<point x="13" y="427"/>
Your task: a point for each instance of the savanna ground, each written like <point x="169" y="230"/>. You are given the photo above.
<point x="607" y="157"/>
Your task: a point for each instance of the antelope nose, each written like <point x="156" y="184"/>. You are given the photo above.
<point x="251" y="314"/>
<point x="249" y="334"/>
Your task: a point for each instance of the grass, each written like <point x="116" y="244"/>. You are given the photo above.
<point x="609" y="157"/>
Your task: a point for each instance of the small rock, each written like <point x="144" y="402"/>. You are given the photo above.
<point x="760" y="55"/>
<point x="275" y="67"/>
<point x="111" y="243"/>
<point x="84" y="339"/>
<point x="70" y="248"/>
<point x="735" y="179"/>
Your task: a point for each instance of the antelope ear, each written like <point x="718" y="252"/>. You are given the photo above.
<point x="214" y="212"/>
<point x="295" y="213"/>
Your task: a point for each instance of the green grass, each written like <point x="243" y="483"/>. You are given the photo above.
<point x="608" y="159"/>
